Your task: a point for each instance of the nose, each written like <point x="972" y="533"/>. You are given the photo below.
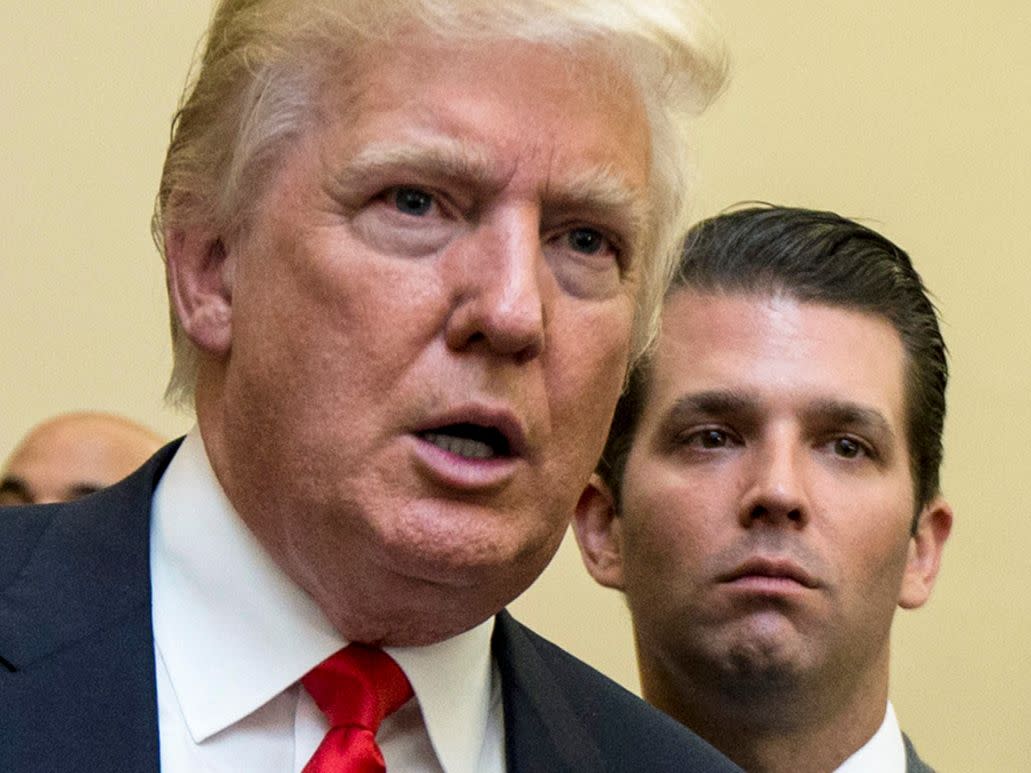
<point x="498" y="276"/>
<point x="776" y="493"/>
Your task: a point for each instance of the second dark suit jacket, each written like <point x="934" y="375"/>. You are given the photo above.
<point x="77" y="680"/>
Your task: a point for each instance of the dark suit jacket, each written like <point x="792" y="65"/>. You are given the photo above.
<point x="77" y="682"/>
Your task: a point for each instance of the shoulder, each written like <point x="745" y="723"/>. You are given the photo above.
<point x="627" y="733"/>
<point x="593" y="689"/>
<point x="76" y="643"/>
<point x="21" y="528"/>
<point x="69" y="568"/>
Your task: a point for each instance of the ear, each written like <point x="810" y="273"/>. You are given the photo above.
<point x="597" y="527"/>
<point x="925" y="552"/>
<point x="199" y="276"/>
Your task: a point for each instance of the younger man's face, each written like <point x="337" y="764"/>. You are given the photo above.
<point x="764" y="527"/>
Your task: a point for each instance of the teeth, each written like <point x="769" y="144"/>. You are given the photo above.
<point x="471" y="449"/>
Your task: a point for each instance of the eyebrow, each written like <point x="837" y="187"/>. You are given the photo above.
<point x="16" y="487"/>
<point x="710" y="403"/>
<point x="443" y="158"/>
<point x="849" y="414"/>
<point x="601" y="191"/>
<point x="597" y="191"/>
<point x="837" y="413"/>
<point x="83" y="489"/>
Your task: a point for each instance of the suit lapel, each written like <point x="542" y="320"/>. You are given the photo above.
<point x="542" y="732"/>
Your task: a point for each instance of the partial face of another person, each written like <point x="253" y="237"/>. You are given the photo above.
<point x="767" y="502"/>
<point x="72" y="456"/>
<point x="421" y="335"/>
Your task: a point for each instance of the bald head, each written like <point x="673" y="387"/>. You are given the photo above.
<point x="72" y="455"/>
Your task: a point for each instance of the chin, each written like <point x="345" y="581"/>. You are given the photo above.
<point x="461" y="545"/>
<point x="767" y="661"/>
<point x="502" y="572"/>
<point x="417" y="612"/>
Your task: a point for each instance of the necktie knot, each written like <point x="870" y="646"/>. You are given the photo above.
<point x="356" y="688"/>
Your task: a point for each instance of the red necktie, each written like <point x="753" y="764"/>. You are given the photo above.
<point x="355" y="688"/>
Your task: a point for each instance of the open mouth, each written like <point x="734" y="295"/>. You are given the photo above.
<point x="470" y="441"/>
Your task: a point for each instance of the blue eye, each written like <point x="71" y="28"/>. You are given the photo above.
<point x="412" y="201"/>
<point x="586" y="240"/>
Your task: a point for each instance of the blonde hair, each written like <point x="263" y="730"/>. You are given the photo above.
<point x="263" y="64"/>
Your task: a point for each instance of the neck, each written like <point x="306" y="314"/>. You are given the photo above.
<point x="790" y="728"/>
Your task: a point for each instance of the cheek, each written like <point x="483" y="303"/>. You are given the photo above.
<point x="300" y="317"/>
<point x="873" y="535"/>
<point x="609" y="342"/>
<point x="888" y="558"/>
<point x="665" y="533"/>
<point x="586" y="361"/>
<point x="676" y="519"/>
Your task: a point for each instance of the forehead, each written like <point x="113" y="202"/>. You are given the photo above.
<point x="778" y="351"/>
<point x="82" y="450"/>
<point x="55" y="461"/>
<point x="513" y="106"/>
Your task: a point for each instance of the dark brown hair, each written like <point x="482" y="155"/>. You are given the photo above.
<point x="817" y="257"/>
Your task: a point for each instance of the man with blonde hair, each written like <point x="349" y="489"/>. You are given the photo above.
<point x="72" y="455"/>
<point x="411" y="249"/>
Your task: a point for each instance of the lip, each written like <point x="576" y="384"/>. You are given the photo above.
<point x="461" y="472"/>
<point x="764" y="571"/>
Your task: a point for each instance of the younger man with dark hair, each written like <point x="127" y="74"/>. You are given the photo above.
<point x="769" y="490"/>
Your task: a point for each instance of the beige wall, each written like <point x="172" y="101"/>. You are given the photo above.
<point x="89" y="91"/>
<point x="914" y="114"/>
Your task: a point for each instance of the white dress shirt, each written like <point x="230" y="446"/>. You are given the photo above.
<point x="233" y="635"/>
<point x="885" y="752"/>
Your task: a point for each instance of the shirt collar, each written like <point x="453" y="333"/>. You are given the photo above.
<point x="885" y="751"/>
<point x="452" y="681"/>
<point x="251" y="632"/>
